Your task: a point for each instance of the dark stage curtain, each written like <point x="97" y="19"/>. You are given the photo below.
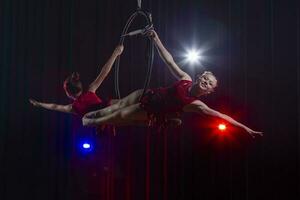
<point x="251" y="46"/>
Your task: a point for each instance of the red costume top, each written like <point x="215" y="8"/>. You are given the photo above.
<point x="87" y="102"/>
<point x="168" y="100"/>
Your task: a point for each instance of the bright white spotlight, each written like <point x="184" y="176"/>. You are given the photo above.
<point x="193" y="56"/>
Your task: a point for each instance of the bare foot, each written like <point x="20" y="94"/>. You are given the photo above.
<point x="87" y="122"/>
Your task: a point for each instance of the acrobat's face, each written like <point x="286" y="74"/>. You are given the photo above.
<point x="206" y="83"/>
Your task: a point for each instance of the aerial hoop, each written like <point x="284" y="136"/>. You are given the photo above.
<point x="150" y="56"/>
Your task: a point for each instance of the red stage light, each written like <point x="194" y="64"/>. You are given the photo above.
<point x="222" y="127"/>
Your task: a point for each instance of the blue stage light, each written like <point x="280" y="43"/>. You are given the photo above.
<point x="86" y="141"/>
<point x="86" y="145"/>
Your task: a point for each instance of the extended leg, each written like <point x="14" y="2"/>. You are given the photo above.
<point x="131" y="99"/>
<point x="126" y="115"/>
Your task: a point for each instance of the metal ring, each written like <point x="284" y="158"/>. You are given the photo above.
<point x="150" y="57"/>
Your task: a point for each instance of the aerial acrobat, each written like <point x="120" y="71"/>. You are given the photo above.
<point x="158" y="103"/>
<point x="84" y="101"/>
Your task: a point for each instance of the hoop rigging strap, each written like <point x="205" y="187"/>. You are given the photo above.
<point x="139" y="2"/>
<point x="150" y="56"/>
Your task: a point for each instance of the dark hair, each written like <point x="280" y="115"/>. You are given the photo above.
<point x="72" y="84"/>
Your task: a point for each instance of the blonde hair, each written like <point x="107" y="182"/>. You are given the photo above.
<point x="208" y="73"/>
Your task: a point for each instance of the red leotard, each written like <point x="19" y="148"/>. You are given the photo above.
<point x="168" y="100"/>
<point x="87" y="102"/>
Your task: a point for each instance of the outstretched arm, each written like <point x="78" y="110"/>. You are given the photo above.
<point x="52" y="106"/>
<point x="200" y="107"/>
<point x="105" y="69"/>
<point x="167" y="57"/>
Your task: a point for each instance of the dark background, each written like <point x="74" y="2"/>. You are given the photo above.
<point x="251" y="46"/>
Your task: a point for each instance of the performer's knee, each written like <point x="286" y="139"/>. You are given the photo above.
<point x="118" y="115"/>
<point x="122" y="115"/>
